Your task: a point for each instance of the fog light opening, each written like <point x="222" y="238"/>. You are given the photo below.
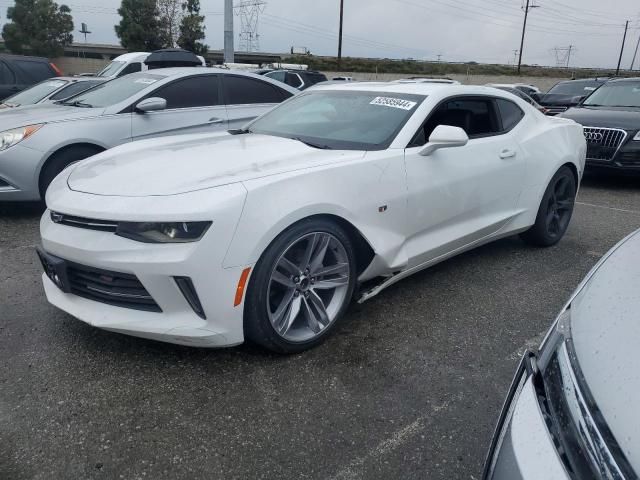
<point x="189" y="291"/>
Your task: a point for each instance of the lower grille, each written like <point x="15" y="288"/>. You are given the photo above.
<point x="603" y="143"/>
<point x="630" y="159"/>
<point x="113" y="288"/>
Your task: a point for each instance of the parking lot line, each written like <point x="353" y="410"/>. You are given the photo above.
<point x="608" y="208"/>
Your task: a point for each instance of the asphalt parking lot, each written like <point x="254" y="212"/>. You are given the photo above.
<point x="409" y="386"/>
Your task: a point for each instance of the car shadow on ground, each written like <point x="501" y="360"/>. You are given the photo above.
<point x="611" y="182"/>
<point x="21" y="210"/>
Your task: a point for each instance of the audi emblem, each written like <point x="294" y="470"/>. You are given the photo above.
<point x="593" y="136"/>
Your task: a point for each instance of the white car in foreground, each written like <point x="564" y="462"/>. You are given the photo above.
<point x="266" y="233"/>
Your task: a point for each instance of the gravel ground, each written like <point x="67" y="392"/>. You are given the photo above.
<point x="409" y="387"/>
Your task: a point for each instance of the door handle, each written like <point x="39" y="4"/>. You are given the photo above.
<point x="507" y="153"/>
<point x="215" y="120"/>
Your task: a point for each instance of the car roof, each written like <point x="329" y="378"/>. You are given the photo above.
<point x="413" y="88"/>
<point x="126" y="57"/>
<point x="622" y="80"/>
<point x="69" y="78"/>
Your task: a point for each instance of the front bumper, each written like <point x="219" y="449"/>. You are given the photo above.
<point x="156" y="266"/>
<point x="19" y="173"/>
<point x="625" y="160"/>
<point x="522" y="448"/>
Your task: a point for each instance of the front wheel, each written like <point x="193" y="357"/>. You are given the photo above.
<point x="555" y="210"/>
<point x="301" y="286"/>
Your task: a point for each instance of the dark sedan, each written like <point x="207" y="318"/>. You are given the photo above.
<point x="566" y="94"/>
<point x="611" y="120"/>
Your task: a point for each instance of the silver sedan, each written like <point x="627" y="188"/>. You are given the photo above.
<point x="37" y="142"/>
<point x="572" y="411"/>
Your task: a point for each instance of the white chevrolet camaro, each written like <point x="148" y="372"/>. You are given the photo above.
<point x="268" y="232"/>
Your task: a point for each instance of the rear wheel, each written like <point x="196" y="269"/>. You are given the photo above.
<point x="61" y="160"/>
<point x="555" y="210"/>
<point x="302" y="285"/>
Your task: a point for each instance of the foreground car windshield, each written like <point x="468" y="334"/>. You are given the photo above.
<point x="36" y="93"/>
<point x="110" y="69"/>
<point x="347" y="120"/>
<point x="577" y="88"/>
<point x="616" y="94"/>
<point x="114" y="91"/>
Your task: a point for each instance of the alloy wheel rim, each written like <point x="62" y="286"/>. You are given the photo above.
<point x="308" y="286"/>
<point x="559" y="207"/>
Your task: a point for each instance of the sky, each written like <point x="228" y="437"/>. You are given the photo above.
<point x="485" y="31"/>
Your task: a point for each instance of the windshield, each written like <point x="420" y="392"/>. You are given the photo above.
<point x="348" y="120"/>
<point x="36" y="93"/>
<point x="576" y="88"/>
<point x="110" y="69"/>
<point x="114" y="91"/>
<point x="74" y="89"/>
<point x="616" y="94"/>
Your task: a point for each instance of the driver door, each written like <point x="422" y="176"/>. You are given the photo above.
<point x="458" y="196"/>
<point x="193" y="105"/>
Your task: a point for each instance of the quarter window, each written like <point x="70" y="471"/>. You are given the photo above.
<point x="199" y="91"/>
<point x="510" y="114"/>
<point x="131" y="68"/>
<point x="245" y="90"/>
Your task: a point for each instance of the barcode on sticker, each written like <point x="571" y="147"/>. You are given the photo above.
<point x="394" y="103"/>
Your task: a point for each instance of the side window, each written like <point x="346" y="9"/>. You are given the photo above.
<point x="475" y="115"/>
<point x="131" y="68"/>
<point x="510" y="114"/>
<point x="245" y="90"/>
<point x="199" y="91"/>
<point x="37" y="71"/>
<point x="293" y="80"/>
<point x="279" y="75"/>
<point x="6" y="75"/>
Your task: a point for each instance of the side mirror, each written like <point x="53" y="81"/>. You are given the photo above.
<point x="152" y="104"/>
<point x="445" y="136"/>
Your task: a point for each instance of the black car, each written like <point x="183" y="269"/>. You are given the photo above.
<point x="568" y="93"/>
<point x="18" y="72"/>
<point x="300" y="79"/>
<point x="611" y="120"/>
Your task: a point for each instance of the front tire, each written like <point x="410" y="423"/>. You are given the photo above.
<point x="554" y="213"/>
<point x="301" y="286"/>
<point x="61" y="160"/>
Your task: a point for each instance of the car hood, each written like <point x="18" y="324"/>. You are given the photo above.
<point x="186" y="163"/>
<point x="43" y="113"/>
<point x="627" y="118"/>
<point x="606" y="335"/>
<point x="553" y="99"/>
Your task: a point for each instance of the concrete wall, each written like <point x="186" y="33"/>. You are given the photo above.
<point x="543" y="83"/>
<point x="74" y="65"/>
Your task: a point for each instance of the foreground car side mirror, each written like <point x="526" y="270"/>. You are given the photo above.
<point x="152" y="104"/>
<point x="445" y="136"/>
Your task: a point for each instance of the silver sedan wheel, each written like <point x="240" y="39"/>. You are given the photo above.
<point x="308" y="286"/>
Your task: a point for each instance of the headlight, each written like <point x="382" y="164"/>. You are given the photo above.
<point x="560" y="332"/>
<point x="637" y="137"/>
<point x="166" y="232"/>
<point x="9" y="138"/>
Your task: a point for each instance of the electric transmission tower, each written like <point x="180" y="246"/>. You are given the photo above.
<point x="563" y="55"/>
<point x="249" y="12"/>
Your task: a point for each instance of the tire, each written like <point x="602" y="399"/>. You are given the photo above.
<point x="282" y="310"/>
<point x="61" y="160"/>
<point x="554" y="213"/>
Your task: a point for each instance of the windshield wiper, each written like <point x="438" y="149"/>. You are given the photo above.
<point x="239" y="131"/>
<point x="77" y="103"/>
<point x="311" y="144"/>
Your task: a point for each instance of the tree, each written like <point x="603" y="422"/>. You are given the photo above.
<point x="38" y="27"/>
<point x="139" y="27"/>
<point x="192" y="28"/>
<point x="169" y="18"/>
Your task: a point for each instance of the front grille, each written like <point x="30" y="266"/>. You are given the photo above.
<point x="113" y="288"/>
<point x="603" y="143"/>
<point x="81" y="222"/>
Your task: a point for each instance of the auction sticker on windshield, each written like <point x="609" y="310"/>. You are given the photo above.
<point x="393" y="103"/>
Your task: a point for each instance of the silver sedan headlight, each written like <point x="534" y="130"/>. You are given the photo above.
<point x="9" y="138"/>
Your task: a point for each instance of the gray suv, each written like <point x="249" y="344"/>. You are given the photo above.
<point x="37" y="142"/>
<point x="572" y="410"/>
